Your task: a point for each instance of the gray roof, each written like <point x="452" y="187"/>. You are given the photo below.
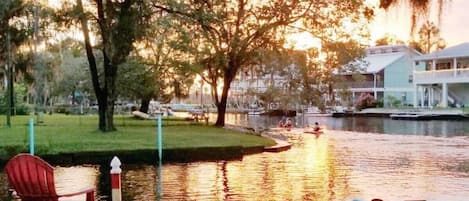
<point x="461" y="50"/>
<point x="378" y="62"/>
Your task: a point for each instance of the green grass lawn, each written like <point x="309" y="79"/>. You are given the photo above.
<point x="72" y="134"/>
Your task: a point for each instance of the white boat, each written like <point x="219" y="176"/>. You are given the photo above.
<point x="411" y="116"/>
<point x="315" y="112"/>
<point x="257" y="111"/>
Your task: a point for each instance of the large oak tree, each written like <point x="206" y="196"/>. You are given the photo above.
<point x="221" y="37"/>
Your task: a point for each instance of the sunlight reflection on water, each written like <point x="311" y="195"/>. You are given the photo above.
<point x="336" y="166"/>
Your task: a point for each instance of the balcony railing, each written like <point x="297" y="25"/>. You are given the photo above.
<point x="441" y="75"/>
<point x="363" y="84"/>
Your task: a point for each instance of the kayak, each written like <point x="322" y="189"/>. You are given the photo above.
<point x="314" y="132"/>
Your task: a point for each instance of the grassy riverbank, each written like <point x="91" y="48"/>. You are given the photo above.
<point x="64" y="134"/>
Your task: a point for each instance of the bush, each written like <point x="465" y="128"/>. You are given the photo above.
<point x="61" y="109"/>
<point x="365" y="100"/>
<point x="380" y="103"/>
<point x="23" y="109"/>
<point x="393" y="101"/>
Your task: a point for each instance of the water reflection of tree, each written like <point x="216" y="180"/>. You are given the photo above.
<point x="139" y="183"/>
<point x="313" y="171"/>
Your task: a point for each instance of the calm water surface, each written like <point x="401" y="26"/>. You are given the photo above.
<point x="340" y="165"/>
<point x="363" y="124"/>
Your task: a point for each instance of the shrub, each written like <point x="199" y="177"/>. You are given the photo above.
<point x="393" y="101"/>
<point x="23" y="109"/>
<point x="365" y="100"/>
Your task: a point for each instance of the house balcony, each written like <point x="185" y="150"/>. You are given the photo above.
<point x="363" y="84"/>
<point x="442" y="76"/>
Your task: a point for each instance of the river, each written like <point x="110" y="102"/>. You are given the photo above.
<point x="356" y="159"/>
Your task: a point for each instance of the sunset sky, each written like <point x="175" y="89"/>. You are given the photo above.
<point x="396" y="22"/>
<point x="454" y="26"/>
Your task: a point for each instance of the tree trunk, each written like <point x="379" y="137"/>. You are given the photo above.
<point x="110" y="77"/>
<point x="105" y="96"/>
<point x="109" y="119"/>
<point x="73" y="96"/>
<point x="144" y="105"/>
<point x="221" y="107"/>
<point x="106" y="113"/>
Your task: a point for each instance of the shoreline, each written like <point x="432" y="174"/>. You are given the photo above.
<point x="171" y="155"/>
<point x="149" y="156"/>
<point x="430" y="114"/>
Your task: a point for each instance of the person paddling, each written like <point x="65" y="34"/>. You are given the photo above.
<point x="288" y="124"/>
<point x="316" y="127"/>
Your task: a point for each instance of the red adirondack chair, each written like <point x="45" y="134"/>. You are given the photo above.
<point x="33" y="179"/>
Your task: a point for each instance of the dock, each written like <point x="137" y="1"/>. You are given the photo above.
<point x="409" y="114"/>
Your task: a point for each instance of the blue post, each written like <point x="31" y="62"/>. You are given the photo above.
<point x="160" y="140"/>
<point x="160" y="158"/>
<point x="31" y="136"/>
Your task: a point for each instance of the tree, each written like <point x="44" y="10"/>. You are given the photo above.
<point x="137" y="82"/>
<point x="429" y="37"/>
<point x="119" y="24"/>
<point x="341" y="57"/>
<point x="416" y="46"/>
<point x="365" y="100"/>
<point x="14" y="33"/>
<point x="224" y="36"/>
<point x="72" y="75"/>
<point x="162" y="75"/>
<point x="145" y="80"/>
<point x="388" y="39"/>
<point x="283" y="63"/>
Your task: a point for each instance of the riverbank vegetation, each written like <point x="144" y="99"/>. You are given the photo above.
<point x="62" y="134"/>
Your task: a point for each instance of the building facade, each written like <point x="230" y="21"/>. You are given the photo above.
<point x="387" y="74"/>
<point x="444" y="81"/>
<point x="250" y="82"/>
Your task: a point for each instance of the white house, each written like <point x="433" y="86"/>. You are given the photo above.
<point x="445" y="79"/>
<point x="250" y="82"/>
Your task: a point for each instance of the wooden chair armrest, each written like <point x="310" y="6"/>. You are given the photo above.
<point x="81" y="191"/>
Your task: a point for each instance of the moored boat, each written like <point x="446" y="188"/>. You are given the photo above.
<point x="315" y="112"/>
<point x="411" y="116"/>
<point x="258" y="111"/>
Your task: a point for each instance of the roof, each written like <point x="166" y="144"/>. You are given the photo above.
<point x="379" y="57"/>
<point x="461" y="50"/>
<point x="378" y="62"/>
